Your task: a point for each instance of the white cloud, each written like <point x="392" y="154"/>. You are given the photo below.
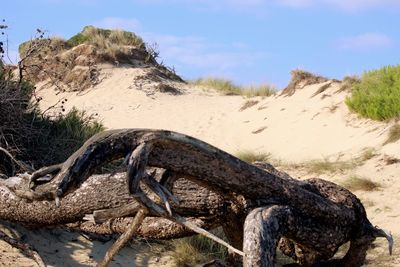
<point x="192" y="53"/>
<point x="205" y="56"/>
<point x="342" y="4"/>
<point x="295" y="3"/>
<point x="257" y="4"/>
<point x="213" y="4"/>
<point x="118" y="23"/>
<point x="364" y="41"/>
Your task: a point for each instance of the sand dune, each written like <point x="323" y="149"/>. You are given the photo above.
<point x="294" y="129"/>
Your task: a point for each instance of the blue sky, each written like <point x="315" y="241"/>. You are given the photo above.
<point x="249" y="42"/>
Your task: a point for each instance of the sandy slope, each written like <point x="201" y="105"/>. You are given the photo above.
<point x="293" y="129"/>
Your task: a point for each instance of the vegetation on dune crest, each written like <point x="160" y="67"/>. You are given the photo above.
<point x="227" y="87"/>
<point x="110" y="44"/>
<point x="300" y="79"/>
<point x="105" y="37"/>
<point x="73" y="65"/>
<point x="377" y="95"/>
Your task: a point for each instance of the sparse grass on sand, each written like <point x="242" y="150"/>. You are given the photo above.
<point x="367" y="154"/>
<point x="250" y="156"/>
<point x="197" y="249"/>
<point x="377" y="95"/>
<point x="316" y="166"/>
<point x="321" y="166"/>
<point x="227" y="87"/>
<point x="325" y="166"/>
<point x="394" y="134"/>
<point x="355" y="183"/>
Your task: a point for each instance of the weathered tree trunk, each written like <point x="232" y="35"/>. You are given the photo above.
<point x="314" y="217"/>
<point x="108" y="192"/>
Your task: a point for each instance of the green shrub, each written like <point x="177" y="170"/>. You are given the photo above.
<point x="33" y="138"/>
<point x="377" y="95"/>
<point x="77" y="39"/>
<point x="64" y="134"/>
<point x="227" y="87"/>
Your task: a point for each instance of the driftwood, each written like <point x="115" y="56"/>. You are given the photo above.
<point x="312" y="218"/>
<point x="104" y="206"/>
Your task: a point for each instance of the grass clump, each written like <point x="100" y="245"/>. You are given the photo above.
<point x="190" y="251"/>
<point x="262" y="90"/>
<point x="367" y="154"/>
<point x="394" y="134"/>
<point x="354" y="183"/>
<point x="250" y="156"/>
<point x="32" y="137"/>
<point x="326" y="166"/>
<point x="105" y="38"/>
<point x="377" y="95"/>
<point x="64" y="134"/>
<point x="227" y="87"/>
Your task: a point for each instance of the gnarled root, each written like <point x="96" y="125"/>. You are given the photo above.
<point x="124" y="238"/>
<point x="262" y="230"/>
<point x="25" y="248"/>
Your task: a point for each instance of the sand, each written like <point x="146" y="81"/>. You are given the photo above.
<point x="294" y="129"/>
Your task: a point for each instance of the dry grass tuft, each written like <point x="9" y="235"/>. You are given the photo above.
<point x="248" y="104"/>
<point x="259" y="130"/>
<point x="190" y="251"/>
<point x="300" y="79"/>
<point x="348" y="83"/>
<point x="355" y="183"/>
<point x="394" y="134"/>
<point x="250" y="156"/>
<point x="390" y="160"/>
<point x="368" y="154"/>
<point x="227" y="87"/>
<point x="326" y="166"/>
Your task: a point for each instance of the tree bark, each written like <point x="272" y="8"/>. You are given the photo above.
<point x="323" y="215"/>
<point x="105" y="191"/>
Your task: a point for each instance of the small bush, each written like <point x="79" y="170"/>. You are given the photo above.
<point x="377" y="95"/>
<point x="65" y="134"/>
<point x="355" y="183"/>
<point x="394" y="134"/>
<point x="29" y="136"/>
<point x="250" y="156"/>
<point x="77" y="39"/>
<point x="227" y="87"/>
<point x="193" y="250"/>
